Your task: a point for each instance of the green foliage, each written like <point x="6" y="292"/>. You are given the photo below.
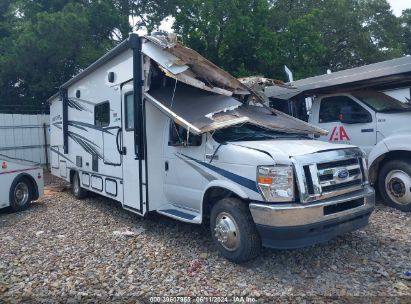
<point x="406" y="22"/>
<point x="43" y="43"/>
<point x="309" y="36"/>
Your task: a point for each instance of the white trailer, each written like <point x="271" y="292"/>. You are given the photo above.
<point x="21" y="182"/>
<point x="157" y="127"/>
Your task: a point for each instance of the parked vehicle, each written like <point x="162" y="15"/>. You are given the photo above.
<point x="379" y="125"/>
<point x="159" y="128"/>
<point x="20" y="183"/>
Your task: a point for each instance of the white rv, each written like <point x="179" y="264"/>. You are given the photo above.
<point x="21" y="182"/>
<point x="157" y="127"/>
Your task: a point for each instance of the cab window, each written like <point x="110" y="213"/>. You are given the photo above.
<point x="178" y="136"/>
<point x="331" y="108"/>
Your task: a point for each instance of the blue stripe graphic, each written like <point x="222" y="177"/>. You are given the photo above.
<point x="245" y="182"/>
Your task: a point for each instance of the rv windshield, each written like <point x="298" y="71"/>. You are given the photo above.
<point x="249" y="132"/>
<point x="380" y="102"/>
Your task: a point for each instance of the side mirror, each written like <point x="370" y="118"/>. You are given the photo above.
<point x="349" y="116"/>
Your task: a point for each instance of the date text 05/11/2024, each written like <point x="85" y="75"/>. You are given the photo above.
<point x="202" y="299"/>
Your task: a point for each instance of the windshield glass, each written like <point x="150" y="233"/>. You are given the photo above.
<point x="248" y="132"/>
<point x="380" y="102"/>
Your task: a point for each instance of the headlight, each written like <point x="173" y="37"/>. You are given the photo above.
<point x="276" y="183"/>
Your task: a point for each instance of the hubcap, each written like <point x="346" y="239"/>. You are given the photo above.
<point x="21" y="194"/>
<point x="227" y="232"/>
<point x="398" y="184"/>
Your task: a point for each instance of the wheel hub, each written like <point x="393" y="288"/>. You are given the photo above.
<point x="21" y="194"/>
<point x="396" y="187"/>
<point x="227" y="232"/>
<point x="398" y="184"/>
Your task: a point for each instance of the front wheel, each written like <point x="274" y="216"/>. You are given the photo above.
<point x="233" y="230"/>
<point x="78" y="192"/>
<point x="395" y="184"/>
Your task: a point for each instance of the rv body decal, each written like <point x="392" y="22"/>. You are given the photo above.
<point x="242" y="181"/>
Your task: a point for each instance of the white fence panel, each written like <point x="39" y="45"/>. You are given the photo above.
<point x="22" y="136"/>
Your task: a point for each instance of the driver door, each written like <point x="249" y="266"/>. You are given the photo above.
<point x="361" y="133"/>
<point x="184" y="183"/>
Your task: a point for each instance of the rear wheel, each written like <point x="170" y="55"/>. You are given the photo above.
<point x="233" y="230"/>
<point x="78" y="192"/>
<point x="395" y="184"/>
<point x="21" y="194"/>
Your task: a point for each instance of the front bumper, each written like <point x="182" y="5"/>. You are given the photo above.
<point x="298" y="225"/>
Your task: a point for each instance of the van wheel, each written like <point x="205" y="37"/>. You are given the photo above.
<point x="233" y="230"/>
<point x="78" y="192"/>
<point x="394" y="183"/>
<point x="20" y="194"/>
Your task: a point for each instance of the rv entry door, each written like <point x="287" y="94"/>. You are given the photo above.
<point x="133" y="192"/>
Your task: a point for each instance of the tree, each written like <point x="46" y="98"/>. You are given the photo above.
<point x="232" y="33"/>
<point x="406" y="33"/>
<point x="46" y="42"/>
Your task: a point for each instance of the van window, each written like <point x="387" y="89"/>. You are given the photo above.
<point x="102" y="114"/>
<point x="129" y="112"/>
<point x="178" y="136"/>
<point x="330" y="108"/>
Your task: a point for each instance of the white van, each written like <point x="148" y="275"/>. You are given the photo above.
<point x="159" y="128"/>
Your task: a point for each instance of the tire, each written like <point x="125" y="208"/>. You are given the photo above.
<point x="394" y="183"/>
<point x="76" y="189"/>
<point x="242" y="243"/>
<point x="21" y="194"/>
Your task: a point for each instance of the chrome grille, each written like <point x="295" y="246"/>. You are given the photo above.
<point x="328" y="175"/>
<point x="331" y="173"/>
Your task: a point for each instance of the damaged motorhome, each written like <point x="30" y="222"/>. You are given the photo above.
<point x="157" y="127"/>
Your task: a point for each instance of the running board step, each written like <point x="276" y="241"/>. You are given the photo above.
<point x="180" y="214"/>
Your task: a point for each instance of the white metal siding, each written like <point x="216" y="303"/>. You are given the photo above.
<point x="22" y="136"/>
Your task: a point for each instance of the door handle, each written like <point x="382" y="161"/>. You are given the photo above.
<point x="166" y="165"/>
<point x="367" y="130"/>
<point x="123" y="150"/>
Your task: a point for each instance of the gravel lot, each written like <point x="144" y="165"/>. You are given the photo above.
<point x="65" y="249"/>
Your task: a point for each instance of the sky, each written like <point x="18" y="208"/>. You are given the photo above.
<point x="399" y="5"/>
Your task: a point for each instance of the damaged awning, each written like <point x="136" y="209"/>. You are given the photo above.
<point x="204" y="97"/>
<point x="202" y="111"/>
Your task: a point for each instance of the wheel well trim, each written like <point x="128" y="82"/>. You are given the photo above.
<point x="225" y="185"/>
<point x="230" y="186"/>
<point x="378" y="159"/>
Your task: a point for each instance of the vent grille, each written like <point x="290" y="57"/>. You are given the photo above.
<point x="339" y="163"/>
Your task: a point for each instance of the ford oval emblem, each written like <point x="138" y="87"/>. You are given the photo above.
<point x="342" y="174"/>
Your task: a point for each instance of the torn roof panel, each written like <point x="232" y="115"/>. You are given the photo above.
<point x="203" y="111"/>
<point x="204" y="70"/>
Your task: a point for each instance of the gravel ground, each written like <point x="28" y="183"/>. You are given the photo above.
<point x="63" y="249"/>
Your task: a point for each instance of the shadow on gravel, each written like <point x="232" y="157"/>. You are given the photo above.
<point x="8" y="217"/>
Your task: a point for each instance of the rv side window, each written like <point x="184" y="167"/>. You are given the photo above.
<point x="129" y="112"/>
<point x="102" y="114"/>
<point x="178" y="136"/>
